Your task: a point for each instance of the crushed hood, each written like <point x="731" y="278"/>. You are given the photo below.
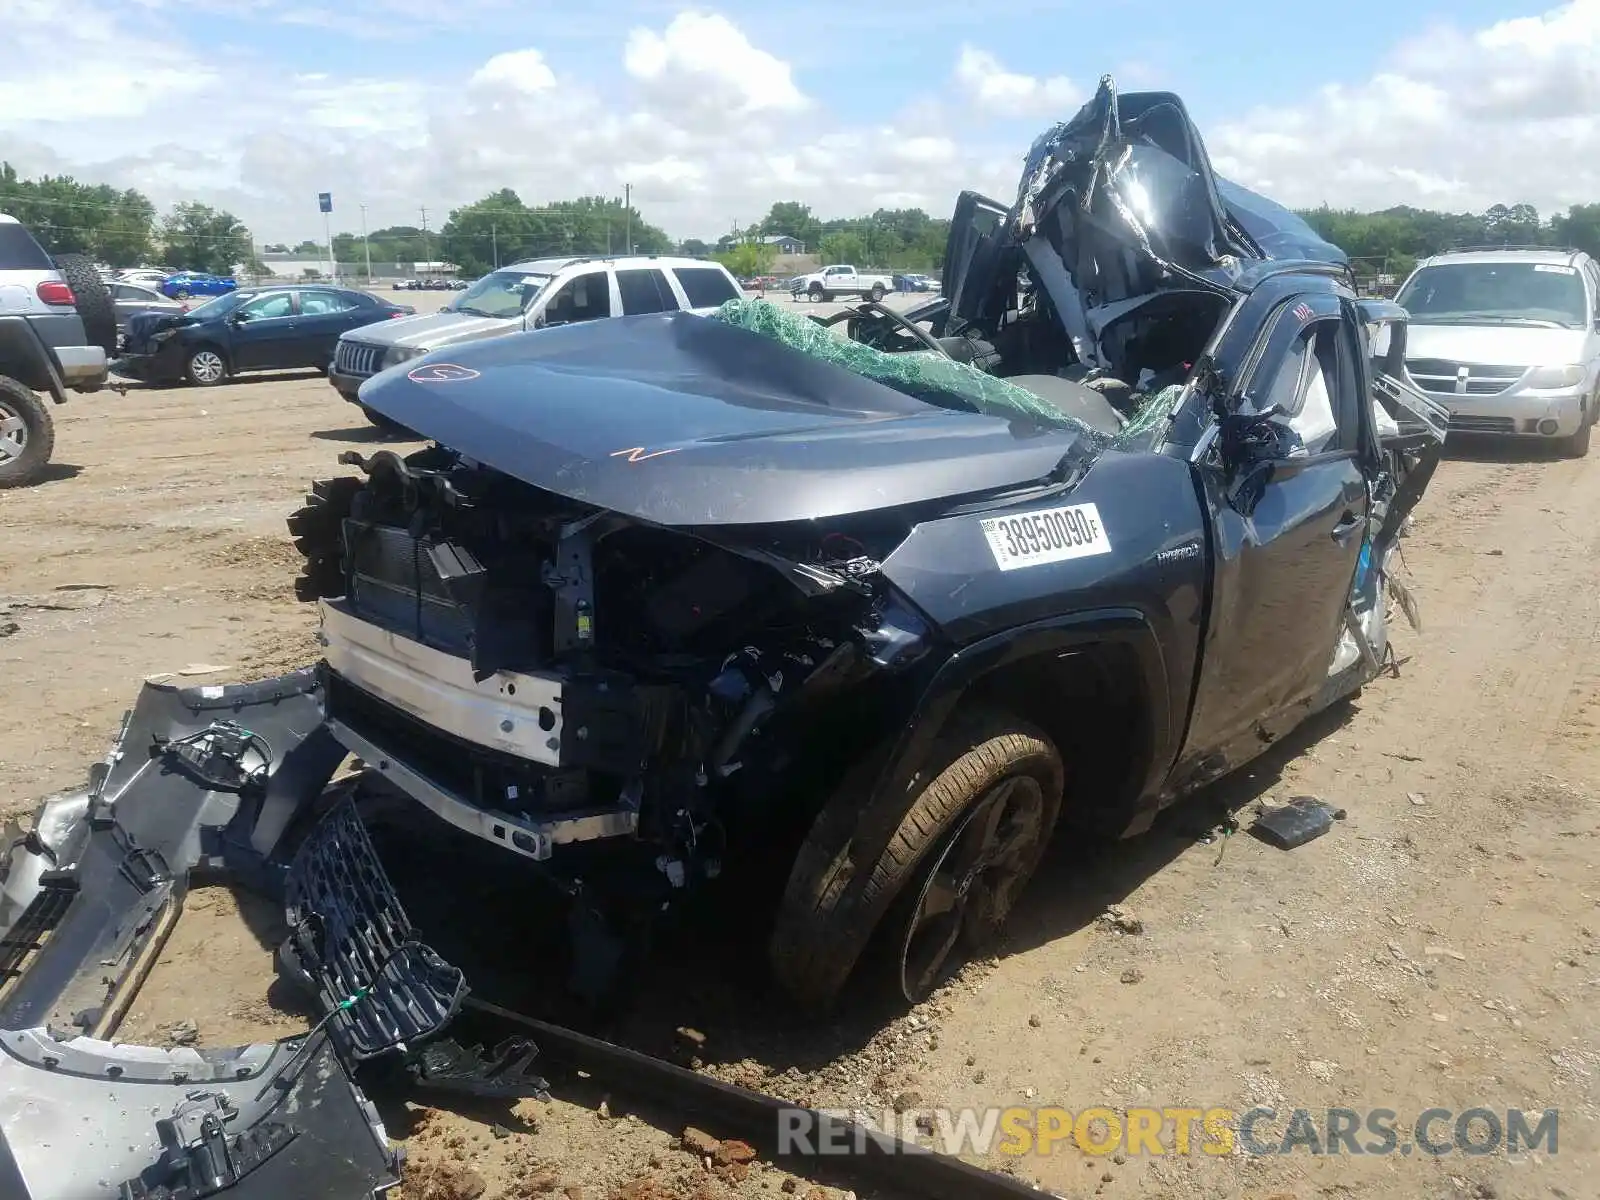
<point x="682" y="420"/>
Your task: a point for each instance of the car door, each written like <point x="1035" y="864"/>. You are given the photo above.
<point x="325" y="313"/>
<point x="1283" y="475"/>
<point x="263" y="332"/>
<point x="584" y="297"/>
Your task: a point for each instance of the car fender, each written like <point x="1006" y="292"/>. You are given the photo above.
<point x="25" y="357"/>
<point x="954" y="679"/>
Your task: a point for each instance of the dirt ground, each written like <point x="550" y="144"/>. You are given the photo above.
<point x="1438" y="948"/>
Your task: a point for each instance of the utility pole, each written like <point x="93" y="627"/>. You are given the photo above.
<point x="426" y="257"/>
<point x="494" y="240"/>
<point x="365" y="244"/>
<point x="627" y="204"/>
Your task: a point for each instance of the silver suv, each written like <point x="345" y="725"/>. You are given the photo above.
<point x="532" y="295"/>
<point x="57" y="328"/>
<point x="1509" y="340"/>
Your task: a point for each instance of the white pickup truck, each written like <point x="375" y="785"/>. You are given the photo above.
<point x="841" y="280"/>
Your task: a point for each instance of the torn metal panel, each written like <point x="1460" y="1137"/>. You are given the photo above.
<point x="82" y="1119"/>
<point x="88" y="900"/>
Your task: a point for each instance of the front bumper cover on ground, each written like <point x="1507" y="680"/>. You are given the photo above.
<point x="222" y="780"/>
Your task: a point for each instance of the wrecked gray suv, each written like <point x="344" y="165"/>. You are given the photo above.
<point x="836" y="629"/>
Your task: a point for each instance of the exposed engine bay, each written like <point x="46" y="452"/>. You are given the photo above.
<point x="558" y="674"/>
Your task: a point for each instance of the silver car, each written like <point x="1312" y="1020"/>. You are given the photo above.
<point x="1509" y="341"/>
<point x="532" y="295"/>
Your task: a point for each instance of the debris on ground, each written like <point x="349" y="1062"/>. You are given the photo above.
<point x="698" y="1142"/>
<point x="1121" y="919"/>
<point x="442" y="1181"/>
<point x="1294" y="823"/>
<point x="183" y="1033"/>
<point x="1133" y="975"/>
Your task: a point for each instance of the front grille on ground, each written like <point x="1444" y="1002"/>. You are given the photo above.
<point x="349" y="932"/>
<point x="357" y="358"/>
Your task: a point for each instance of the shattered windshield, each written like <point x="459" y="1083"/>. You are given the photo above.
<point x="1508" y="293"/>
<point x="924" y="375"/>
<point x="502" y="293"/>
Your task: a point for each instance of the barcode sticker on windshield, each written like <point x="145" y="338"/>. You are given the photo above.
<point x="1551" y="269"/>
<point x="1050" y="536"/>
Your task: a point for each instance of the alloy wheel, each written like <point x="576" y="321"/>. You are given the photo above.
<point x="207" y="366"/>
<point x="976" y="877"/>
<point x="13" y="434"/>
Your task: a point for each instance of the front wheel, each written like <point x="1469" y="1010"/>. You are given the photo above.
<point x="27" y="435"/>
<point x="1577" y="445"/>
<point x="932" y="883"/>
<point x="387" y="424"/>
<point x="206" y="367"/>
<point x="816" y="293"/>
<point x="876" y="294"/>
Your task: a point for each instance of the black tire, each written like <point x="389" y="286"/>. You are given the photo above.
<point x="1577" y="445"/>
<point x="317" y="532"/>
<point x="38" y="435"/>
<point x="860" y="865"/>
<point x="815" y="292"/>
<point x="197" y="367"/>
<point x="182" y="294"/>
<point x="95" y="307"/>
<point x="876" y="294"/>
<point x="387" y="424"/>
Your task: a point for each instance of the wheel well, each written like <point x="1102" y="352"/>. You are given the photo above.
<point x="1092" y="703"/>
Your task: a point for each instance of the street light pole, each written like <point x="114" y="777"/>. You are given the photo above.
<point x="365" y="244"/>
<point x="627" y="204"/>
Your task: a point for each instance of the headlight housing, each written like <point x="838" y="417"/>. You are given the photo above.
<point x="395" y="355"/>
<point x="1556" y="377"/>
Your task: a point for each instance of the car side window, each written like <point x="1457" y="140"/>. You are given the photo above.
<point x="281" y="304"/>
<point x="645" y="291"/>
<point x="705" y="287"/>
<point x="1310" y="384"/>
<point x="321" y="304"/>
<point x="582" y="298"/>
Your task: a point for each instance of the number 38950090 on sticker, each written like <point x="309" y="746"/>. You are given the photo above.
<point x="1048" y="536"/>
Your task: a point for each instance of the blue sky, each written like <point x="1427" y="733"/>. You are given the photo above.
<point x="714" y="111"/>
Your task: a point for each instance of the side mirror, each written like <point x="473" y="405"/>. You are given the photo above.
<point x="536" y="320"/>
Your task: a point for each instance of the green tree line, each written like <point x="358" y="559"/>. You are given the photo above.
<point x="123" y="229"/>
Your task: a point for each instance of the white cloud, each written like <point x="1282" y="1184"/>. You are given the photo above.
<point x="710" y="125"/>
<point x="1006" y="93"/>
<point x="519" y="71"/>
<point x="703" y="59"/>
<point x="1456" y="119"/>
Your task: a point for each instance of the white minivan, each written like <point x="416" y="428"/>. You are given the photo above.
<point x="1509" y="341"/>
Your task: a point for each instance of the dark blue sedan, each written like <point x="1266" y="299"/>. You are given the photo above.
<point x="254" y="329"/>
<point x="196" y="283"/>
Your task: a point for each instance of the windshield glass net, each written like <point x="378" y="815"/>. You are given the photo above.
<point x="501" y="294"/>
<point x="1505" y="292"/>
<point x="927" y="376"/>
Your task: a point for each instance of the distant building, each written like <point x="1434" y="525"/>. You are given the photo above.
<point x="784" y="244"/>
